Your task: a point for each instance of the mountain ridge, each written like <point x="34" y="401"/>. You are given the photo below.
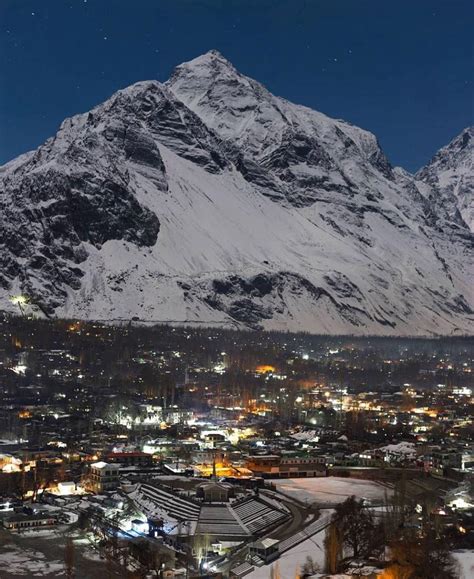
<point x="206" y="199"/>
<point x="450" y="172"/>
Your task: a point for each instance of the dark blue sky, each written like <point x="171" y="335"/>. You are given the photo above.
<point x="402" y="68"/>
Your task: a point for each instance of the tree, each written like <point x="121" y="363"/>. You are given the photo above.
<point x="275" y="571"/>
<point x="69" y="558"/>
<point x="357" y="527"/>
<point x="333" y="547"/>
<point x="394" y="513"/>
<point x="424" y="557"/>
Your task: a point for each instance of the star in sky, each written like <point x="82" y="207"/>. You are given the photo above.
<point x="188" y="29"/>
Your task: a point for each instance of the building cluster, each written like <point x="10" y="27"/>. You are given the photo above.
<point x="175" y="438"/>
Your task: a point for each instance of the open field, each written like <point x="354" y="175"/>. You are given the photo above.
<point x="332" y="490"/>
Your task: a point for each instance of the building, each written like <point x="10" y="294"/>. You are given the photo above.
<point x="217" y="519"/>
<point x="272" y="466"/>
<point x="67" y="488"/>
<point x="135" y="458"/>
<point x="23" y="521"/>
<point x="467" y="460"/>
<point x="174" y="415"/>
<point x="213" y="492"/>
<point x="103" y="476"/>
<point x="266" y="550"/>
<point x="443" y="459"/>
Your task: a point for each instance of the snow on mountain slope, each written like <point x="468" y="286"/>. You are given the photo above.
<point x="209" y="200"/>
<point x="310" y="155"/>
<point x="450" y="174"/>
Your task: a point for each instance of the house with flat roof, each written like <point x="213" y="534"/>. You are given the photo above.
<point x="22" y="521"/>
<point x="103" y="476"/>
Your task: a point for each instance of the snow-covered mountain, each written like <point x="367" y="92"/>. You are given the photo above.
<point x="207" y="199"/>
<point x="450" y="175"/>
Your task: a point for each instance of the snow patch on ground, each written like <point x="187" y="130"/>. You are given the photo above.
<point x="27" y="562"/>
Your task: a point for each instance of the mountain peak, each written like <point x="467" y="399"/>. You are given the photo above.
<point x="450" y="173"/>
<point x="208" y="199"/>
<point x="212" y="59"/>
<point x="462" y="142"/>
<point x="458" y="150"/>
<point x="241" y="110"/>
<point x="464" y="139"/>
<point x="213" y="88"/>
<point x="212" y="54"/>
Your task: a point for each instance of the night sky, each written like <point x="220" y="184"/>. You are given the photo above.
<point x="402" y="69"/>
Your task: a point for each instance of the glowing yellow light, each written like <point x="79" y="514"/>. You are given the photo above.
<point x="19" y="300"/>
<point x="265" y="369"/>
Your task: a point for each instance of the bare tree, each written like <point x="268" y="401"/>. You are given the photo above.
<point x="69" y="558"/>
<point x="357" y="527"/>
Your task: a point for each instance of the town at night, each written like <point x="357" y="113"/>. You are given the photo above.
<point x="214" y="452"/>
<point x="236" y="289"/>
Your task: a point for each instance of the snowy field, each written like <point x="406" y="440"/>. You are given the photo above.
<point x="331" y="490"/>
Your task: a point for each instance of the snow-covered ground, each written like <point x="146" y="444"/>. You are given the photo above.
<point x="331" y="489"/>
<point x="28" y="562"/>
<point x="465" y="559"/>
<point x="291" y="562"/>
<point x="41" y="554"/>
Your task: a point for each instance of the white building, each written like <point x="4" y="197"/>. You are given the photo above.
<point x="103" y="476"/>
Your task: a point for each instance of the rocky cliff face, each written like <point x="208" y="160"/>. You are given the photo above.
<point x="450" y="176"/>
<point x="209" y="200"/>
